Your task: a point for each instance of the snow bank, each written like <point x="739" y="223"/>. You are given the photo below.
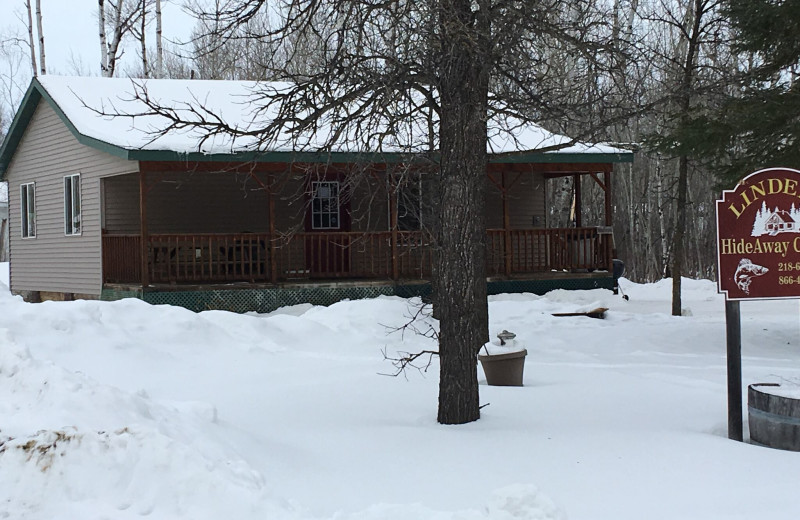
<point x="73" y="448"/>
<point x="122" y="410"/>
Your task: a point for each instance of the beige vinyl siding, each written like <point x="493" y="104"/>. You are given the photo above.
<point x="52" y="261"/>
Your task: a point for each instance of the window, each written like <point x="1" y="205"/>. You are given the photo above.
<point x="325" y="205"/>
<point x="72" y="204"/>
<point x="27" y="209"/>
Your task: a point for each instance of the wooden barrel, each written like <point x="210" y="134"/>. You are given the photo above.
<point x="774" y="420"/>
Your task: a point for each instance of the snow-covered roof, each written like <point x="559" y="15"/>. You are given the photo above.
<point x="86" y="105"/>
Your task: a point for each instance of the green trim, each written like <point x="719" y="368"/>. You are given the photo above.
<point x="555" y="157"/>
<point x="22" y="119"/>
<point x="368" y="157"/>
<point x="268" y="299"/>
<point x="270" y="157"/>
<point x="82" y="139"/>
<point x="541" y="287"/>
<point x="36" y="92"/>
<point x="17" y="129"/>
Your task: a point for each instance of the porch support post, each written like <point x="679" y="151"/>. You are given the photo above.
<point x="607" y="194"/>
<point x="144" y="237"/>
<point x="393" y="226"/>
<point x="576" y="181"/>
<point x="609" y="218"/>
<point x="506" y="226"/>
<point x="273" y="264"/>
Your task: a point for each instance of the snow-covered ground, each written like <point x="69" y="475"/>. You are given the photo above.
<point x="125" y="410"/>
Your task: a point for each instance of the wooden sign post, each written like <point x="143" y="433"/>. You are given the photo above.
<point x="758" y="258"/>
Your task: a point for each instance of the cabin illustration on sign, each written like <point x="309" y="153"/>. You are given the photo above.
<point x="101" y="207"/>
<point x="773" y="222"/>
<point x="780" y="222"/>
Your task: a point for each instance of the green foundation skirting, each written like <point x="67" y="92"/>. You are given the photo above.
<point x="268" y="299"/>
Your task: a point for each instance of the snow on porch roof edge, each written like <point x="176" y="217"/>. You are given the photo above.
<point x="37" y="91"/>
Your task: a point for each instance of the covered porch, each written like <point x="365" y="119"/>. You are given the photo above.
<point x="177" y="226"/>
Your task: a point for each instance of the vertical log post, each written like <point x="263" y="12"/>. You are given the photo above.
<point x="576" y="183"/>
<point x="393" y="225"/>
<point x="143" y="228"/>
<point x="609" y="249"/>
<point x="506" y="226"/>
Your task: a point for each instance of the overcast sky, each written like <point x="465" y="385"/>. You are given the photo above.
<point x="71" y="34"/>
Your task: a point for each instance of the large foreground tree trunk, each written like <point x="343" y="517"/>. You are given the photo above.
<point x="460" y="281"/>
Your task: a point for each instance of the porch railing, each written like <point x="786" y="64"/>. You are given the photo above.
<point x="403" y="255"/>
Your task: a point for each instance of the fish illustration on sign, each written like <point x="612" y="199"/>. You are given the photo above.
<point x="745" y="273"/>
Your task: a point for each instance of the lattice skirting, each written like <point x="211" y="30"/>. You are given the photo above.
<point x="269" y="299"/>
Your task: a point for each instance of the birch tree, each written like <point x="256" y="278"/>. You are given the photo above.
<point x="142" y="37"/>
<point x="42" y="67"/>
<point x="159" y="42"/>
<point x="31" y="44"/>
<point x="116" y="19"/>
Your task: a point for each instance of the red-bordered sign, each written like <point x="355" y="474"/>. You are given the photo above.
<point x="758" y="236"/>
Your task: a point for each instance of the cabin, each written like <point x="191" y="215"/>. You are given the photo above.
<point x="109" y="207"/>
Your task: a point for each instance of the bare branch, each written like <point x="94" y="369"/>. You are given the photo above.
<point x="406" y="360"/>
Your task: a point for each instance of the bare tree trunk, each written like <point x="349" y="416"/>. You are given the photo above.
<point x="662" y="227"/>
<point x="101" y="18"/>
<point x="42" y="66"/>
<point x="678" y="237"/>
<point x="34" y="69"/>
<point x="112" y="48"/>
<point x="143" y="41"/>
<point x="159" y="43"/>
<point x="461" y="267"/>
<point x="693" y="15"/>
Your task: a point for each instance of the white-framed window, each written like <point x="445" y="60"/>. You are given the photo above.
<point x="27" y="209"/>
<point x="325" y="205"/>
<point x="72" y="204"/>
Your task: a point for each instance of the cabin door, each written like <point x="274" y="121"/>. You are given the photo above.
<point x="328" y="224"/>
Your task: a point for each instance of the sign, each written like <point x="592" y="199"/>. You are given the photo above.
<point x="758" y="237"/>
